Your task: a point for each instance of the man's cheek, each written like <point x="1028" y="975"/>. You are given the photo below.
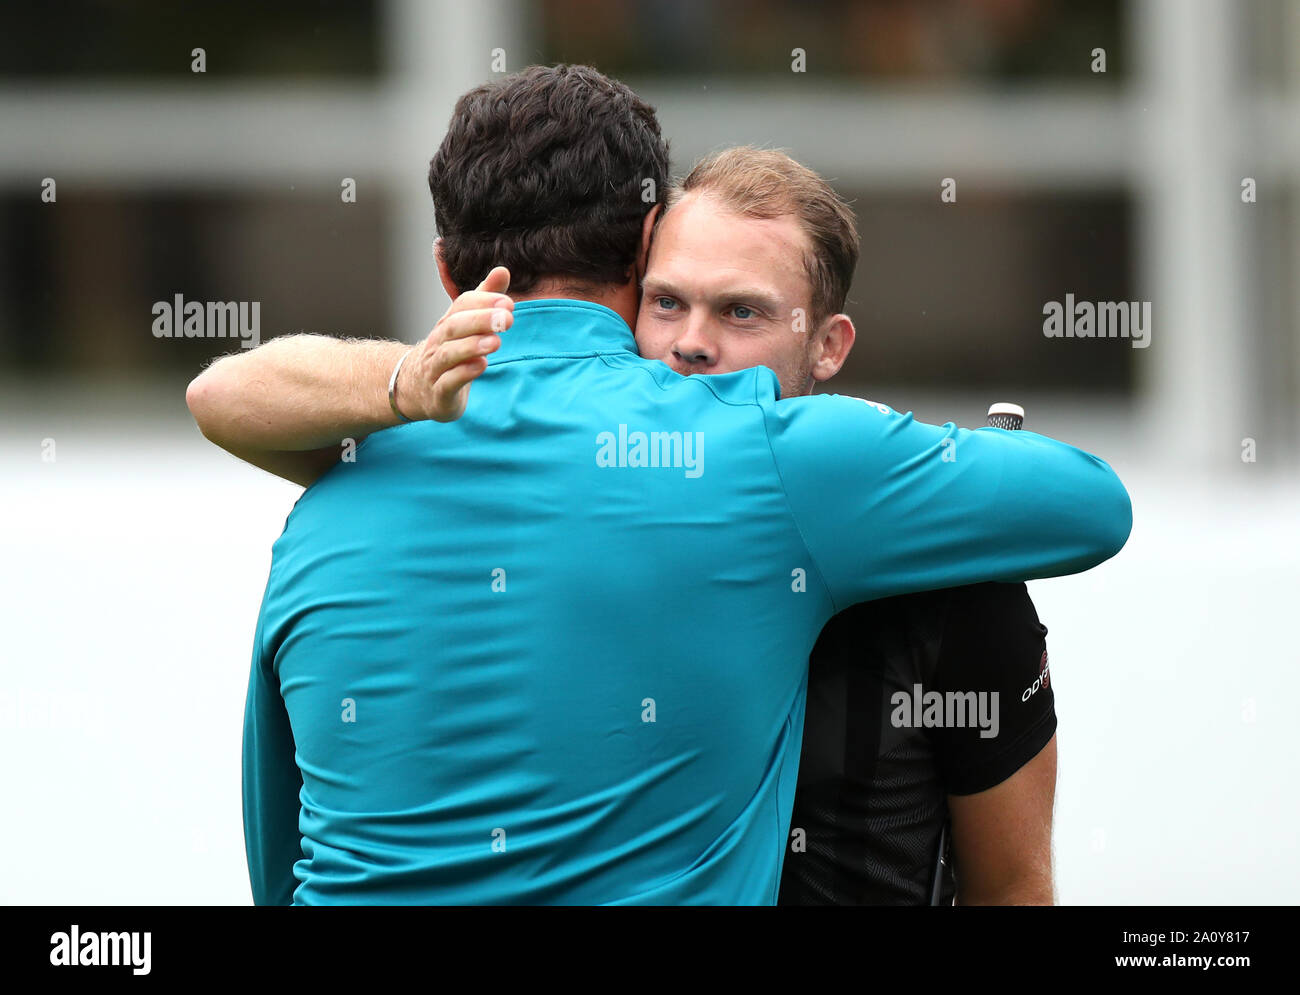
<point x="650" y="345"/>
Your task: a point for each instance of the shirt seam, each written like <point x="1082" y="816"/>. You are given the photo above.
<point x="776" y="465"/>
<point x="702" y="381"/>
<point x="782" y="842"/>
<point x="559" y="355"/>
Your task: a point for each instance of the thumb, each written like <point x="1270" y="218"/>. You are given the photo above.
<point x="496" y="282"/>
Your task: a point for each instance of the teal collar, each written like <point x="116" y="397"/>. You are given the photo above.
<point x="558" y="327"/>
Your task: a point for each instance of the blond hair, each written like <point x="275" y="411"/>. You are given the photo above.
<point x="767" y="183"/>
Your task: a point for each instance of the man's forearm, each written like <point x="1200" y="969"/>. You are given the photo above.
<point x="288" y="405"/>
<point x="296" y="393"/>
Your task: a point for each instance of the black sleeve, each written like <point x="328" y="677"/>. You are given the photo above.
<point x="995" y="646"/>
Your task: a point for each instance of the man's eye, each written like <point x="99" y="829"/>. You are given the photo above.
<point x="665" y="303"/>
<point x="742" y="312"/>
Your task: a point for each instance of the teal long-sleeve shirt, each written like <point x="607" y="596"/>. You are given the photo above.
<point x="556" y="651"/>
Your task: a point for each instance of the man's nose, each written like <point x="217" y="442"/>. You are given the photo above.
<point x="695" y="347"/>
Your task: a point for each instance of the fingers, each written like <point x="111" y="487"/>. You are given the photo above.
<point x="478" y="321"/>
<point x="456" y="351"/>
<point x="459" y="376"/>
<point x="489" y="297"/>
<point x="452" y="389"/>
<point x="490" y="293"/>
<point x="496" y="282"/>
<point x="474" y="300"/>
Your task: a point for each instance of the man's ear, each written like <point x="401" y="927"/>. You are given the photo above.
<point x="831" y="346"/>
<point x="443" y="274"/>
<point x="647" y="235"/>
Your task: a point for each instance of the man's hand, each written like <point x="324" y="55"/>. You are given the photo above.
<point x="287" y="406"/>
<point x="435" y="379"/>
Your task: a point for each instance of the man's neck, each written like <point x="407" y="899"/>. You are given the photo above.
<point x="624" y="300"/>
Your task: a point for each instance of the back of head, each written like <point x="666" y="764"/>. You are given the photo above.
<point x="549" y="172"/>
<point x="767" y="183"/>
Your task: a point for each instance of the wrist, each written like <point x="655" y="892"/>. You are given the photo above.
<point x="394" y="389"/>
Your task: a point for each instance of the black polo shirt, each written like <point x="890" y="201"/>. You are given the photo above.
<point x="902" y="713"/>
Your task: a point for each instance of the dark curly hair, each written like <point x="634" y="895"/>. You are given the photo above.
<point x="545" y="172"/>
